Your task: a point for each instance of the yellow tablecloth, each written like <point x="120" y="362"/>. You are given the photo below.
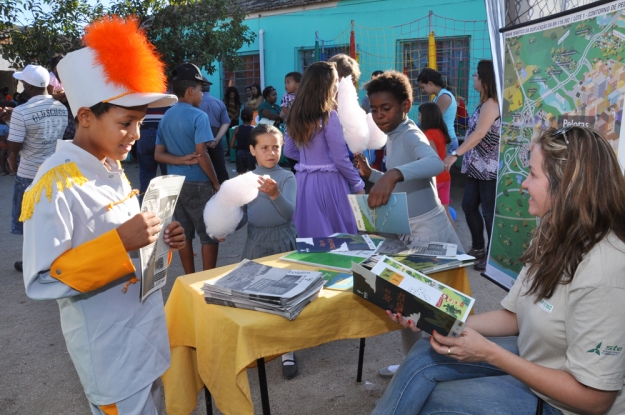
<point x="213" y="345"/>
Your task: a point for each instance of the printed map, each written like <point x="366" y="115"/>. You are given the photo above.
<point x="568" y="71"/>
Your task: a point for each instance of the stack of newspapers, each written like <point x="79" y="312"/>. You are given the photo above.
<point x="254" y="286"/>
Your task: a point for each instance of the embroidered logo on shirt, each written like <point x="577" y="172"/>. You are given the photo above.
<point x="545" y="306"/>
<point x="596" y="349"/>
<point x="607" y="351"/>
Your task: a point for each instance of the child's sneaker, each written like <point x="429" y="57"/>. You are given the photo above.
<point x="477" y="253"/>
<point x="388" y="372"/>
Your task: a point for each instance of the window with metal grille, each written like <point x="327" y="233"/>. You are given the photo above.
<point x="307" y="55"/>
<point x="452" y="59"/>
<point x="246" y="76"/>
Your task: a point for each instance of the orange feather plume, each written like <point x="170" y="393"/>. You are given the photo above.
<point x="128" y="59"/>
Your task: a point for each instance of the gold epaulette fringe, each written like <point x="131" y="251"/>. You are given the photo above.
<point x="111" y="205"/>
<point x="64" y="176"/>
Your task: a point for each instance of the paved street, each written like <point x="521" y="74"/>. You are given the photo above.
<point x="37" y="376"/>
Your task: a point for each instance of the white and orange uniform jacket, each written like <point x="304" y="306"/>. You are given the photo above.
<point x="73" y="253"/>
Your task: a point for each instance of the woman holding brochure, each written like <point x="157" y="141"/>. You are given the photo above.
<point x="559" y="335"/>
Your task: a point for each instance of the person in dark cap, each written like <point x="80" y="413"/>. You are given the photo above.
<point x="181" y="142"/>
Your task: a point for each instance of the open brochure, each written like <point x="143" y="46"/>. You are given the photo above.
<point x="407" y="245"/>
<point x="389" y="218"/>
<point x="160" y="198"/>
<point x="426" y="264"/>
<point x="430" y="304"/>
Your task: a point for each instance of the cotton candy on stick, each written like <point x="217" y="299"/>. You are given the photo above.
<point x="377" y="138"/>
<point x="352" y="117"/>
<point x="223" y="211"/>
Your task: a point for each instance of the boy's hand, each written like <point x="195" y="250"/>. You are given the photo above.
<point x="362" y="164"/>
<point x="174" y="236"/>
<point x="190" y="159"/>
<point x="268" y="186"/>
<point x="381" y="191"/>
<point x="139" y="231"/>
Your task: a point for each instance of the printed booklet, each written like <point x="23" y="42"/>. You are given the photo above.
<point x="389" y="218"/>
<point x="427" y="264"/>
<point x="407" y="245"/>
<point x="340" y="281"/>
<point x="341" y="243"/>
<point x="430" y="304"/>
<point x="337" y="260"/>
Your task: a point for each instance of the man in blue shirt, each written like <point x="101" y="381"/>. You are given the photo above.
<point x="181" y="141"/>
<point x="219" y="123"/>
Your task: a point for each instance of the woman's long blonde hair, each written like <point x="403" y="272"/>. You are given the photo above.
<point x="313" y="102"/>
<point x="587" y="195"/>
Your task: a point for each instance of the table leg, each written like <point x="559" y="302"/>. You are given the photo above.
<point x="262" y="379"/>
<point x="361" y="358"/>
<point x="209" y="401"/>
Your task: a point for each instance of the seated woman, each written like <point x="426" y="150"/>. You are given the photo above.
<point x="269" y="111"/>
<point x="563" y="316"/>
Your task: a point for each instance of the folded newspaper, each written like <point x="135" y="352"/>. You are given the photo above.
<point x="254" y="286"/>
<point x="160" y="198"/>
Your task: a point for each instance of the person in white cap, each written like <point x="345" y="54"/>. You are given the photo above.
<point x="83" y="226"/>
<point x="35" y="128"/>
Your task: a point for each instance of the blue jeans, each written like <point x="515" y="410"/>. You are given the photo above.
<point x="21" y="183"/>
<point x="429" y="383"/>
<point x="479" y="192"/>
<point x="145" y="154"/>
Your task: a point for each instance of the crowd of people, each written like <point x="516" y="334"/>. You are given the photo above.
<point x="537" y="349"/>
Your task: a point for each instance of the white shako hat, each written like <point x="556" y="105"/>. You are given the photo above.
<point x="117" y="66"/>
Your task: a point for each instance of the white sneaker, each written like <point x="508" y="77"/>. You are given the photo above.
<point x="388" y="372"/>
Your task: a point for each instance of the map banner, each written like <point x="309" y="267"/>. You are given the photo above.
<point x="566" y="71"/>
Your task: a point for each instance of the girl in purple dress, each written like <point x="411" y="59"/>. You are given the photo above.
<point x="324" y="173"/>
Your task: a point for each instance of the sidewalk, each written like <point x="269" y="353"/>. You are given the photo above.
<point x="38" y="376"/>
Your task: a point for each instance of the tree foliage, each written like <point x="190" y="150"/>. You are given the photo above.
<point x="33" y="31"/>
<point x="198" y="31"/>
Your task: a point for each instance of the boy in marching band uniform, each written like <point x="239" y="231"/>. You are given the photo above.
<point x="83" y="227"/>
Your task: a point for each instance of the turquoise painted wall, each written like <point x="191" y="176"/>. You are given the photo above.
<point x="285" y="34"/>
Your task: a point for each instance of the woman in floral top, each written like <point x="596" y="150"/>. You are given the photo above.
<point x="480" y="150"/>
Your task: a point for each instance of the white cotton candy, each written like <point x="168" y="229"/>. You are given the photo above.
<point x="352" y="117"/>
<point x="221" y="220"/>
<point x="377" y="137"/>
<point x="240" y="190"/>
<point x="223" y="211"/>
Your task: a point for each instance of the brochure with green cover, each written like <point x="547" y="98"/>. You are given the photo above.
<point x="430" y="304"/>
<point x="333" y="260"/>
<point x="340" y="281"/>
<point x="389" y="218"/>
